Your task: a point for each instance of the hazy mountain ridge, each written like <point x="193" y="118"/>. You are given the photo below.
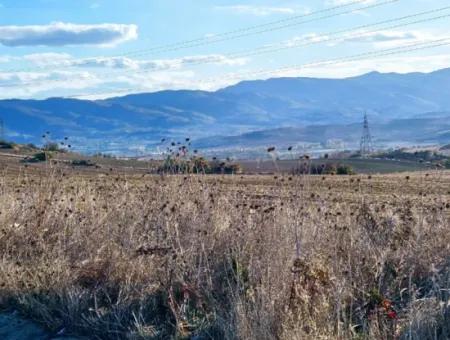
<point x="247" y="106"/>
<point x="400" y="131"/>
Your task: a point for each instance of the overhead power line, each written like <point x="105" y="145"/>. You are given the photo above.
<point x="268" y="24"/>
<point x="216" y="39"/>
<point x="231" y="35"/>
<point x="328" y="36"/>
<point x="307" y="41"/>
<point x="361" y="56"/>
<point x="327" y="62"/>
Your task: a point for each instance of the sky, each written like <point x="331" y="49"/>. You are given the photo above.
<point x="97" y="49"/>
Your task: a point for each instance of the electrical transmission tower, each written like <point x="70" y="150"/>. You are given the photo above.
<point x="366" y="147"/>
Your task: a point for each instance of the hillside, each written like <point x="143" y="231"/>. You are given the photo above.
<point x="143" y="119"/>
<point x="397" y="131"/>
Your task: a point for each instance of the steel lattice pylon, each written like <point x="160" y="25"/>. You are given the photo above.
<point x="366" y="147"/>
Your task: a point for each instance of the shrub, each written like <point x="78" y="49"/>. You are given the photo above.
<point x="344" y="170"/>
<point x="324" y="169"/>
<point x="172" y="165"/>
<point x="6" y="145"/>
<point x="51" y="146"/>
<point x="31" y="146"/>
<point x="198" y="165"/>
<point x="425" y="155"/>
<point x="225" y="168"/>
<point x="447" y="164"/>
<point x="82" y="162"/>
<point x="38" y="157"/>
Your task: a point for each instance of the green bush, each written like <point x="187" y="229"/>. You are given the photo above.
<point x="424" y="155"/>
<point x="38" y="157"/>
<point x="6" y="145"/>
<point x="225" y="168"/>
<point x="198" y="165"/>
<point x="324" y="169"/>
<point x="51" y="146"/>
<point x="32" y="146"/>
<point x="82" y="162"/>
<point x="344" y="170"/>
<point x="447" y="164"/>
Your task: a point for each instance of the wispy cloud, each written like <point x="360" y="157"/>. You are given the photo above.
<point x="50" y="58"/>
<point x="261" y="10"/>
<point x="345" y="2"/>
<point x="5" y="58"/>
<point x="386" y="36"/>
<point x="62" y="34"/>
<point x="398" y="64"/>
<point x="379" y="39"/>
<point x="387" y="39"/>
<point x="65" y="60"/>
<point x="60" y="83"/>
<point x="95" y="86"/>
<point x="91" y="74"/>
<point x="29" y="84"/>
<point x="335" y="3"/>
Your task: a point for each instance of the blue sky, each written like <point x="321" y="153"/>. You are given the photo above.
<point x="99" y="48"/>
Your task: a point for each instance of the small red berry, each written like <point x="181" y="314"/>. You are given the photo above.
<point x="392" y="314"/>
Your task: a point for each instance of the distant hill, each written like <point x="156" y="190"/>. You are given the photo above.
<point x="143" y="119"/>
<point x="401" y="131"/>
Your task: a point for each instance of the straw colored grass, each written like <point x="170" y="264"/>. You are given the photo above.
<point x="228" y="257"/>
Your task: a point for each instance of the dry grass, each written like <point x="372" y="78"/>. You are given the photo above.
<point x="149" y="257"/>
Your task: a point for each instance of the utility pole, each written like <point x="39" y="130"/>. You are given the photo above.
<point x="366" y="147"/>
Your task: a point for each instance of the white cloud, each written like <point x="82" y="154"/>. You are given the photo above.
<point x="89" y="86"/>
<point x="157" y="64"/>
<point x="345" y="2"/>
<point x="306" y="38"/>
<point x="46" y="59"/>
<point x="189" y="80"/>
<point x="379" y="40"/>
<point x="96" y="86"/>
<point x="65" y="60"/>
<point x="5" y="58"/>
<point x="336" y="3"/>
<point x="62" y="34"/>
<point x="385" y="36"/>
<point x="397" y="64"/>
<point x="260" y="10"/>
<point x="390" y="39"/>
<point x="165" y="74"/>
<point x="29" y="84"/>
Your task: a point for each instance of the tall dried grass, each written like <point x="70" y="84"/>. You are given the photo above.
<point x="158" y="257"/>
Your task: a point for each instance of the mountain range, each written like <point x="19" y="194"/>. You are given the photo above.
<point x="412" y="107"/>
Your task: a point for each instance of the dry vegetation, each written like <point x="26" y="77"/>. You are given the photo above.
<point x="121" y="256"/>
